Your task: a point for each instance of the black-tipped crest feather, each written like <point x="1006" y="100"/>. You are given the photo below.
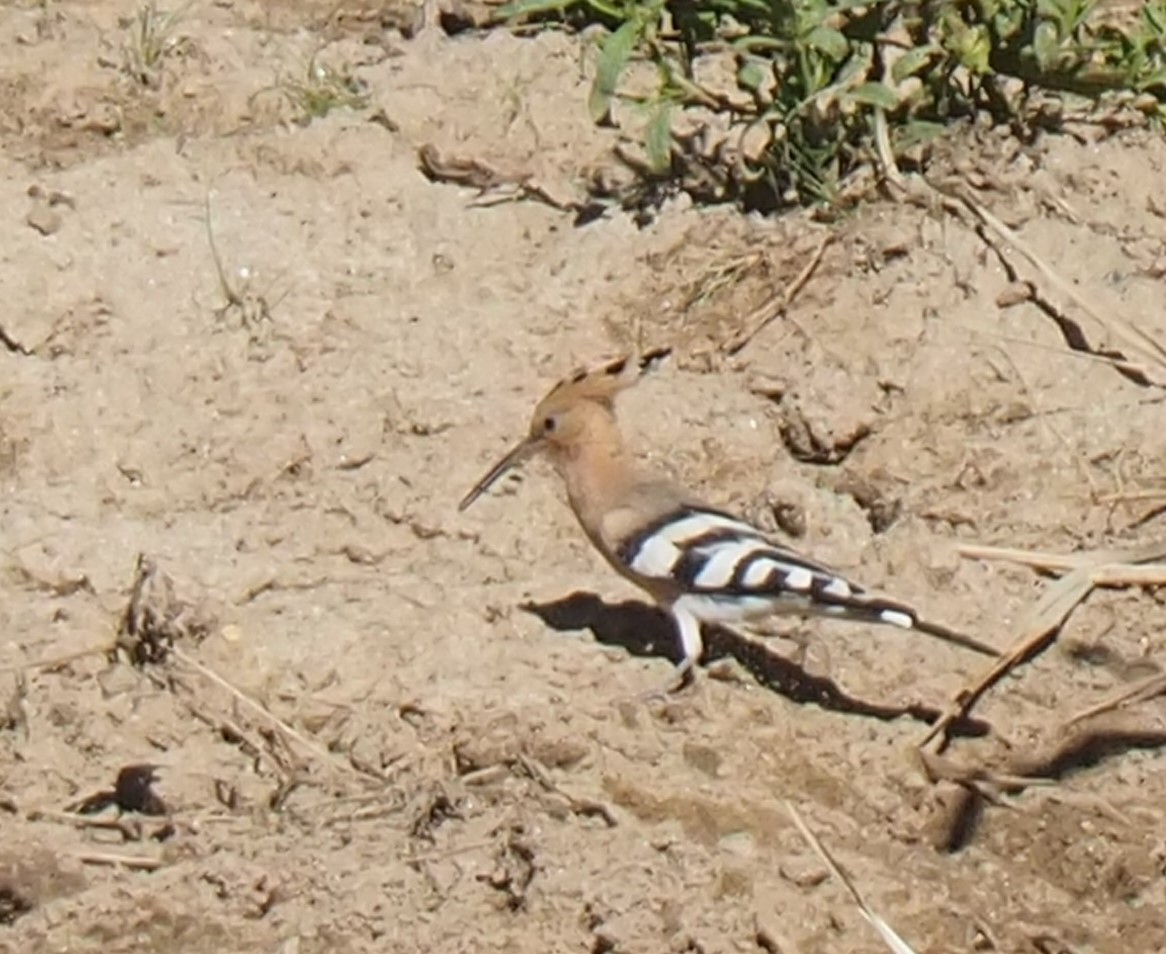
<point x="604" y="382"/>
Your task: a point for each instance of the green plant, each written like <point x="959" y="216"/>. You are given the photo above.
<point x="150" y="38"/>
<point x="318" y="90"/>
<point x="811" y="76"/>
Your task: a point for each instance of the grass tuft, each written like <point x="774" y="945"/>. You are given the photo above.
<point x="151" y="36"/>
<point x="318" y="90"/>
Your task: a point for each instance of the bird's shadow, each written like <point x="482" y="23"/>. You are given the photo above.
<point x="1079" y="751"/>
<point x="644" y="630"/>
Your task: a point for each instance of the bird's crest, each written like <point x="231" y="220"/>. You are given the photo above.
<point x="603" y="383"/>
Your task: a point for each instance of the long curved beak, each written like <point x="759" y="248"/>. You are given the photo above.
<point x="519" y="453"/>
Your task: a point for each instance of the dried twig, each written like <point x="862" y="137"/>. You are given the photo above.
<point x="53" y="661"/>
<point x="1056" y="562"/>
<point x="129" y="827"/>
<point x="252" y="308"/>
<point x="449" y="852"/>
<point x="138" y="862"/>
<point x="1045" y="619"/>
<point x="885" y="931"/>
<point x="1142" y="691"/>
<point x="758" y="319"/>
<point x="1151" y="352"/>
<point x="1150" y="367"/>
<point x="580" y="806"/>
<point x="1086" y="572"/>
<point x="986" y="782"/>
<point x="312" y="747"/>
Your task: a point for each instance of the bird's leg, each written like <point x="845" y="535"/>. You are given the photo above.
<point x="683" y="675"/>
<point x="801" y="640"/>
<point x="691" y="645"/>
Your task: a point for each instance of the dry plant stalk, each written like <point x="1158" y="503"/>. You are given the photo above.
<point x="885" y="931"/>
<point x="135" y="862"/>
<point x="760" y="318"/>
<point x="1142" y="691"/>
<point x="1085" y="572"/>
<point x="320" y="754"/>
<point x="1149" y="363"/>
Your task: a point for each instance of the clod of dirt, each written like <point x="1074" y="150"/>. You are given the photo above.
<point x="823" y="421"/>
<point x="872" y="492"/>
<point x="778" y="509"/>
<point x="437" y="807"/>
<point x="498" y="743"/>
<point x="408" y="19"/>
<point x="514" y="868"/>
<point x="132" y="792"/>
<point x="459" y="16"/>
<point x="504" y="741"/>
<point x="812" y="441"/>
<point x="44" y="215"/>
<point x="558" y="750"/>
<point x="12" y="903"/>
<point x="155" y="619"/>
<point x="704" y="758"/>
<point x="30" y="879"/>
<point x="44" y="219"/>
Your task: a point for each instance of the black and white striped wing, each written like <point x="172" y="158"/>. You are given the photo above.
<point x="726" y="570"/>
<point x="733" y="571"/>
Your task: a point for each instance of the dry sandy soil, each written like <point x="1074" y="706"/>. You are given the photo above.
<point x="458" y="764"/>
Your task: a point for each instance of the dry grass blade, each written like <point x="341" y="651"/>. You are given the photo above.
<point x="758" y="319"/>
<point x="1044" y="560"/>
<point x="1142" y="691"/>
<point x="450" y="852"/>
<point x="1132" y="496"/>
<point x="1045" y="619"/>
<point x="1087" y="571"/>
<point x="1152" y="354"/>
<point x="1150" y="350"/>
<point x="262" y="710"/>
<point x="53" y="661"/>
<point x="136" y="862"/>
<point x="885" y="931"/>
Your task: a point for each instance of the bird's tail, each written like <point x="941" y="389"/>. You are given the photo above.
<point x="940" y="632"/>
<point x="859" y="606"/>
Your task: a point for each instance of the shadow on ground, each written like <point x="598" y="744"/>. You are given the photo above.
<point x="644" y="630"/>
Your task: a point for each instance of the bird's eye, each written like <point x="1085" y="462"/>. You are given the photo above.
<point x="549" y="425"/>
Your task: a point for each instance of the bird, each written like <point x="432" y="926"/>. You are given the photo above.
<point x="133" y="791"/>
<point x="699" y="563"/>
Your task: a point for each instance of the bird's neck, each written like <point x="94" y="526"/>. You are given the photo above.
<point x="598" y="472"/>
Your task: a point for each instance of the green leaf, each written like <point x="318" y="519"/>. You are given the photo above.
<point x="1155" y="16"/>
<point x="917" y="133"/>
<point x="1047" y="47"/>
<point x="831" y="42"/>
<point x="617" y="50"/>
<point x="751" y="76"/>
<point x="1152" y="80"/>
<point x="912" y="62"/>
<point x="873" y="94"/>
<point x="658" y="138"/>
<point x="974" y="49"/>
<point x="530" y="8"/>
<point x="758" y="44"/>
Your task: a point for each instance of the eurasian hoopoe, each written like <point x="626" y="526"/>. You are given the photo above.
<point x="700" y="564"/>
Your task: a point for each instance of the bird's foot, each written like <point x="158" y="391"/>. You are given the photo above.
<point x="683" y="677"/>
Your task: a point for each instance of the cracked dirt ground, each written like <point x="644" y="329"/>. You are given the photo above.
<point x="463" y="771"/>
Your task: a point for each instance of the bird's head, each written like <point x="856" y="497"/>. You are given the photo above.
<point x="578" y="409"/>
